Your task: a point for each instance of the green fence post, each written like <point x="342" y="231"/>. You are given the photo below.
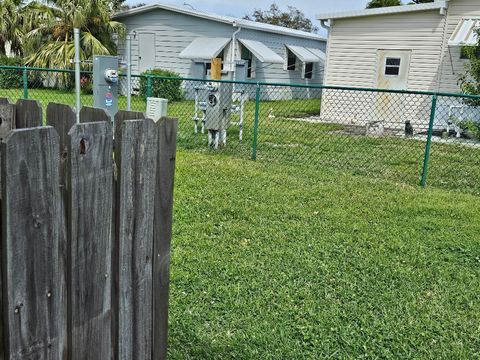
<point x="429" y="141"/>
<point x="25" y="83"/>
<point x="149" y="86"/>
<point x="255" y="124"/>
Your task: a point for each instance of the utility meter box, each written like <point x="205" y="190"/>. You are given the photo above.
<point x="156" y="108"/>
<point x="219" y="105"/>
<point x="105" y="83"/>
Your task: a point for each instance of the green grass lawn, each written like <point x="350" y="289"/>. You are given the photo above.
<point x="269" y="262"/>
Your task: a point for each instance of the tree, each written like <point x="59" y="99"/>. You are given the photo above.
<point x="383" y="3"/>
<point x="470" y="80"/>
<point x="51" y="43"/>
<point x="293" y="18"/>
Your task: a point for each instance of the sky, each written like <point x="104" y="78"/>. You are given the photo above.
<point x="238" y="8"/>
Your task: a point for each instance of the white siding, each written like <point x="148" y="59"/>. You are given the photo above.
<point x="452" y="66"/>
<point x="176" y="31"/>
<point x="353" y="45"/>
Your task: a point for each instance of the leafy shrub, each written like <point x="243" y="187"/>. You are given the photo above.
<point x="86" y="86"/>
<point x="10" y="78"/>
<point x="473" y="127"/>
<point x="162" y="88"/>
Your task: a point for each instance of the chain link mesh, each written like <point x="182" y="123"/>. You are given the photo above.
<point x="368" y="132"/>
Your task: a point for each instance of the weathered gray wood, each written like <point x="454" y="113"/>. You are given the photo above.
<point x="62" y="118"/>
<point x="92" y="114"/>
<point x="33" y="247"/>
<point x="167" y="139"/>
<point x="4" y="101"/>
<point x="123" y="115"/>
<point x="7" y="119"/>
<point x="136" y="200"/>
<point x="28" y="114"/>
<point x="90" y="229"/>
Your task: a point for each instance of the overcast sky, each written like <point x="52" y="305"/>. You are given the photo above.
<point x="239" y="8"/>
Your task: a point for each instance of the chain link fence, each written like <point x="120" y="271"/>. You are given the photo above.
<point x="408" y="137"/>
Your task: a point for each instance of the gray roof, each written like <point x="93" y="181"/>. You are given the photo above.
<point x="247" y="24"/>
<point x="438" y="4"/>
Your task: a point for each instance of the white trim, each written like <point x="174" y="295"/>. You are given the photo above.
<point x="261" y="51"/>
<point x="464" y="33"/>
<point x="247" y="24"/>
<point x="437" y="5"/>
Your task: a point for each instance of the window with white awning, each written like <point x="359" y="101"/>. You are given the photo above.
<point x="465" y="33"/>
<point x="253" y="52"/>
<point x="204" y="48"/>
<point x="308" y="57"/>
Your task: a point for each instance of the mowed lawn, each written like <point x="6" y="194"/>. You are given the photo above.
<point x="270" y="262"/>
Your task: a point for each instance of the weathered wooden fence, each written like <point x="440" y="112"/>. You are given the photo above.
<point x="86" y="226"/>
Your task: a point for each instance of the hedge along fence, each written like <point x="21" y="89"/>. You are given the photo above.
<point x="86" y="235"/>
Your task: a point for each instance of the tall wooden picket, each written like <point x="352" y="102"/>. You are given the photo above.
<point x="167" y="142"/>
<point x="33" y="247"/>
<point x="135" y="203"/>
<point x="90" y="237"/>
<point x="85" y="249"/>
<point x="28" y="114"/>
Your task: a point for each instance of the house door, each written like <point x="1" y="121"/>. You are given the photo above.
<point x="146" y="51"/>
<point x="392" y="73"/>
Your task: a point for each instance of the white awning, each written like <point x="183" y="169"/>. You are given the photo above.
<point x="303" y="54"/>
<point x="318" y="53"/>
<point x="262" y="52"/>
<point x="464" y="33"/>
<point x="204" y="48"/>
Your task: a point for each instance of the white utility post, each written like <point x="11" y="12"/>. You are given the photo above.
<point x="129" y="71"/>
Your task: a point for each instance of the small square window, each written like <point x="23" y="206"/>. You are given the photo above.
<point x="392" y="66"/>
<point x="308" y="71"/>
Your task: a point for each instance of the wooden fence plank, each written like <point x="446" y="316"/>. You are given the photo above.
<point x="4" y="101"/>
<point x="123" y="115"/>
<point x="167" y="139"/>
<point x="7" y="119"/>
<point x="28" y="114"/>
<point x="90" y="187"/>
<point x="33" y="246"/>
<point x="62" y="118"/>
<point x="136" y="199"/>
<point x="92" y="114"/>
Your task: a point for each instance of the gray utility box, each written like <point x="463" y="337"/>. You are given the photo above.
<point x="105" y="83"/>
<point x="219" y="105"/>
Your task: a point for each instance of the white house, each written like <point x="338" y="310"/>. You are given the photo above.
<point x="184" y="40"/>
<point x="410" y="47"/>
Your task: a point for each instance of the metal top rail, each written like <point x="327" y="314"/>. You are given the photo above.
<point x="314" y="86"/>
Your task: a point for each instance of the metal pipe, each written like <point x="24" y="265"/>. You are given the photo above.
<point x="129" y="71"/>
<point x="234" y="48"/>
<point x="76" y="38"/>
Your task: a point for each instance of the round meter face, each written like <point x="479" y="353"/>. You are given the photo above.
<point x="212" y="100"/>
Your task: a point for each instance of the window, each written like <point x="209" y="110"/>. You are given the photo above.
<point x="247" y="56"/>
<point x="291" y="61"/>
<point x="208" y="65"/>
<point x="308" y="71"/>
<point x="392" y="66"/>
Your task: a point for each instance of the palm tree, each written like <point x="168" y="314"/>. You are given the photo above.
<point x="51" y="43"/>
<point x="11" y="31"/>
<point x="383" y="3"/>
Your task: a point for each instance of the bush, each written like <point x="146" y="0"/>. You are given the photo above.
<point x="11" y="78"/>
<point x="162" y="88"/>
<point x="86" y="86"/>
<point x="472" y="127"/>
